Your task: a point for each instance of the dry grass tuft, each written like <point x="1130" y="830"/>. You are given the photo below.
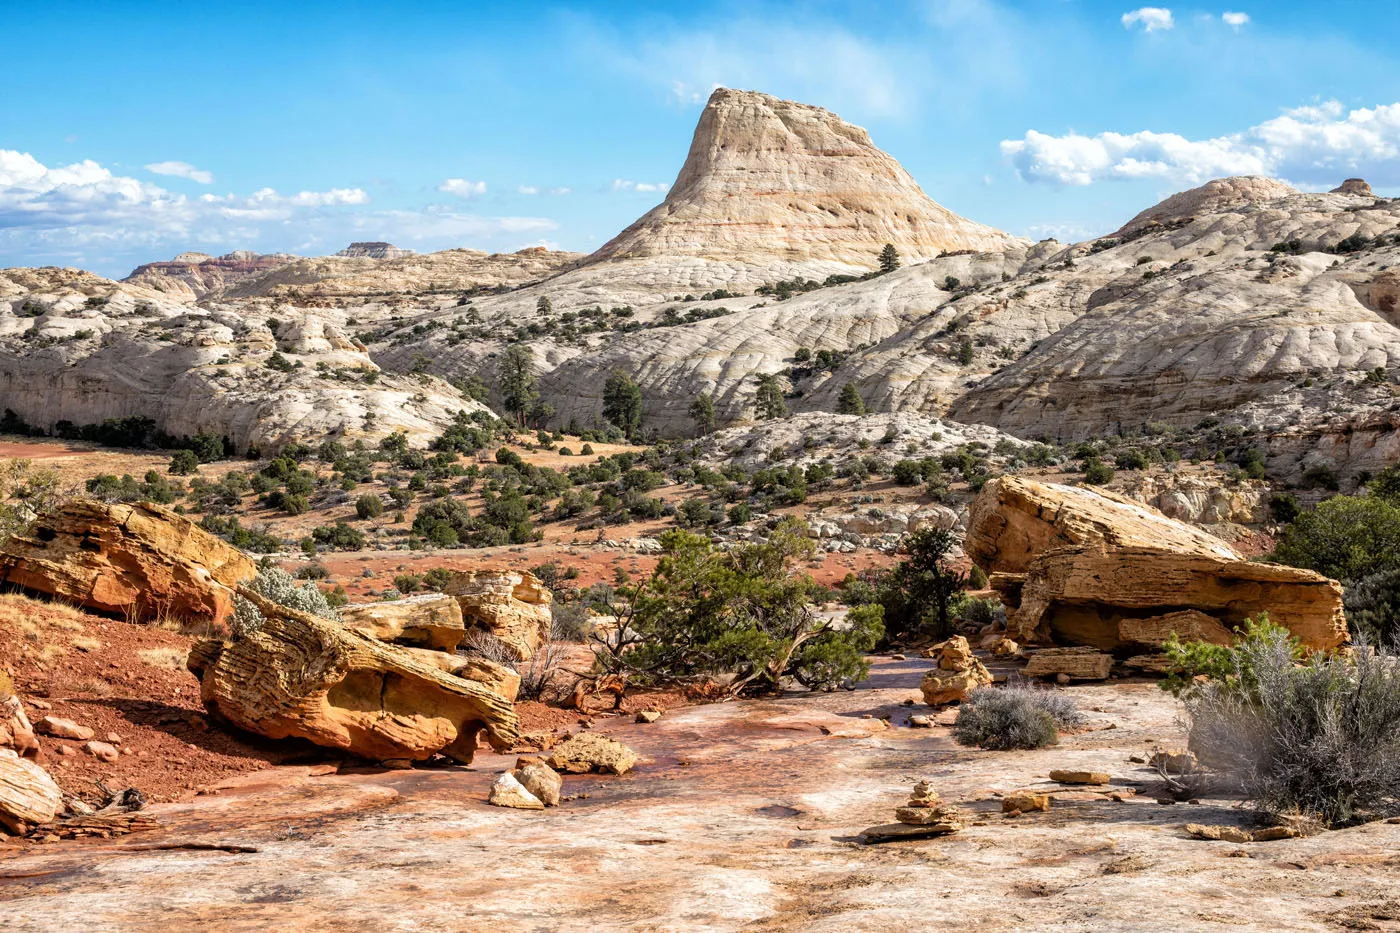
<point x="169" y="658"/>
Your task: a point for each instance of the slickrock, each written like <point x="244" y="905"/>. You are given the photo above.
<point x="958" y="673"/>
<point x="28" y="796"/>
<point x="1073" y="663"/>
<point x="307" y="677"/>
<point x="589" y="751"/>
<point x="512" y="605"/>
<point x="1213" y="197"/>
<point x="1091" y="568"/>
<point x="77" y="350"/>
<point x="432" y="621"/>
<point x="507" y="791"/>
<point x="136" y="559"/>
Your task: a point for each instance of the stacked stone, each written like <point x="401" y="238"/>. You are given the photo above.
<point x="926" y="809"/>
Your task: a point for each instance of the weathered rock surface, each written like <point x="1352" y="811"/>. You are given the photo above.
<point x="514" y="606"/>
<point x="432" y="621"/>
<point x="1074" y="663"/>
<point x="28" y="796"/>
<point x="1084" y="563"/>
<point x="61" y="728"/>
<point x="1070" y="776"/>
<point x="542" y="781"/>
<point x="81" y="349"/>
<point x="589" y="751"/>
<point x="489" y="674"/>
<point x="137" y="559"/>
<point x="307" y="677"/>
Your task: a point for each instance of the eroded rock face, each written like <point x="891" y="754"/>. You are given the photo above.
<point x="307" y="677"/>
<point x="512" y="605"/>
<point x="432" y="621"/>
<point x="134" y="559"/>
<point x="1086" y="567"/>
<point x="191" y="276"/>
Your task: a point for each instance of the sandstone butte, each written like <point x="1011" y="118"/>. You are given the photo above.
<point x="138" y="560"/>
<point x="772" y="178"/>
<point x="306" y="677"/>
<point x="1083" y="566"/>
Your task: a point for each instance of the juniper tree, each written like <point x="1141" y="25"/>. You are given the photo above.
<point x="850" y="402"/>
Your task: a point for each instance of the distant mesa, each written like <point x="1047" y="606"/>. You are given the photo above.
<point x="1356" y="186"/>
<point x="374" y="250"/>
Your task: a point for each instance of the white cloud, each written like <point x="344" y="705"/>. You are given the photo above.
<point x="1150" y="18"/>
<point x="1308" y="145"/>
<point x="1235" y="19"/>
<point x="535" y="189"/>
<point x="528" y="189"/>
<point x="181" y="170"/>
<point x="462" y="188"/>
<point x="70" y="213"/>
<point x="623" y="184"/>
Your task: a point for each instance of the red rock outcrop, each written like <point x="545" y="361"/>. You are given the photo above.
<point x="138" y="560"/>
<point x="512" y="605"/>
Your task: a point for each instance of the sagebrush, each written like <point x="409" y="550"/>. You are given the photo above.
<point x="282" y="588"/>
<point x="1018" y="715"/>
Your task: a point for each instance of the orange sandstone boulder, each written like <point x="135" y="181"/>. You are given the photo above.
<point x="138" y="560"/>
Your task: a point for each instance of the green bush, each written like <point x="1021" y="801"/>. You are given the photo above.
<point x="1345" y="537"/>
<point x="369" y="506"/>
<point x="744" y="612"/>
<point x="184" y="462"/>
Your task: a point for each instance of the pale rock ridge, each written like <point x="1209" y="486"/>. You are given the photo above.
<point x="192" y="276"/>
<point x="1214" y="196"/>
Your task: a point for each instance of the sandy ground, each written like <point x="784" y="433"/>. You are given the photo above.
<point x="743" y="816"/>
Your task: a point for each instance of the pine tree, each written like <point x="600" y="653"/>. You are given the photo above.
<point x="702" y="412"/>
<point x="516" y="375"/>
<point x="769" y="402"/>
<point x="544" y="305"/>
<point x="889" y="258"/>
<point x="850" y="402"/>
<point x="622" y="403"/>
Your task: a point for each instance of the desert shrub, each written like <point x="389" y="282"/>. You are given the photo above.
<point x="978" y="610"/>
<point x="1320" y="737"/>
<point x="1014" y="716"/>
<point x="339" y="535"/>
<point x="281" y="587"/>
<point x="369" y="506"/>
<point x="1373" y="607"/>
<point x="25" y="493"/>
<point x="1346" y="537"/>
<point x="568" y="620"/>
<point x="744" y="612"/>
<point x="1096" y="472"/>
<point x="184" y="462"/>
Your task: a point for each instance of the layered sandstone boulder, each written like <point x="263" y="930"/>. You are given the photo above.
<point x="302" y="676"/>
<point x="1086" y="567"/>
<point x="958" y="673"/>
<point x="138" y="560"/>
<point x="432" y="621"/>
<point x="28" y="796"/>
<point x="512" y="605"/>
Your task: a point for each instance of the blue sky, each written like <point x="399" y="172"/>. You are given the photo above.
<point x="130" y="132"/>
